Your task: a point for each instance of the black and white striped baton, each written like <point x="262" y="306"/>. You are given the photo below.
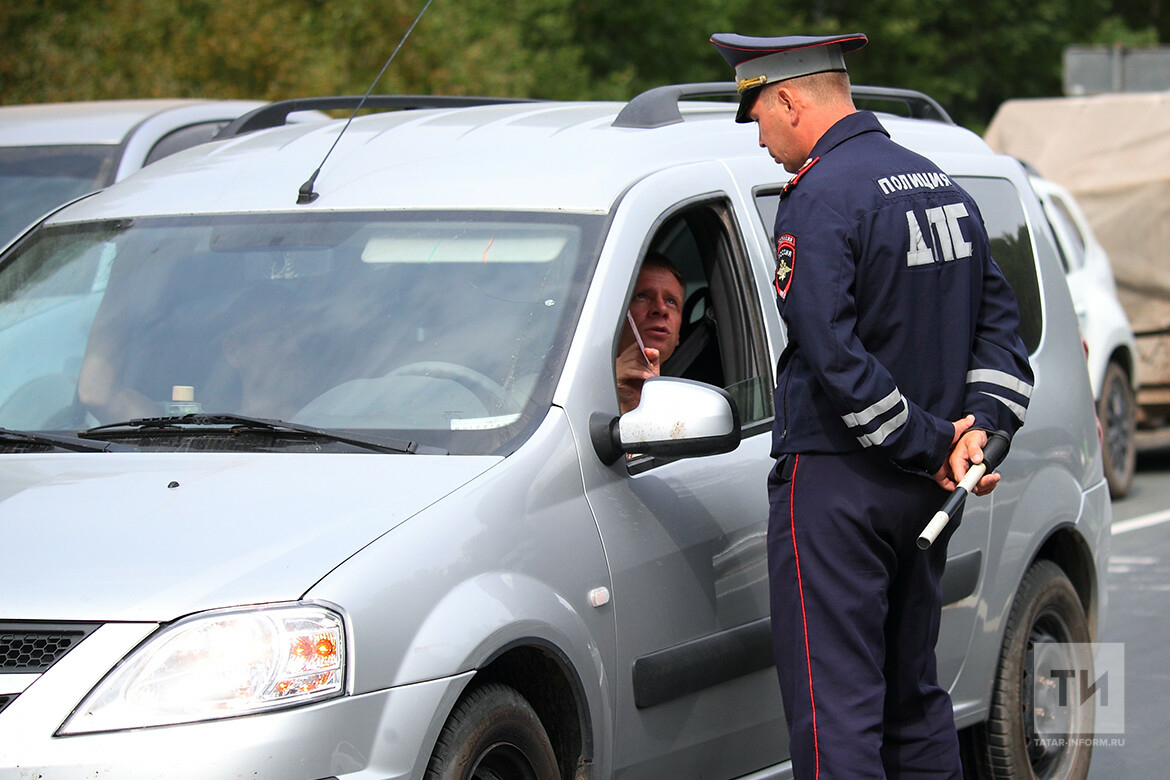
<point x="993" y="454"/>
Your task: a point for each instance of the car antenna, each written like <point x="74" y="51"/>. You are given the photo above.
<point x="307" y="194"/>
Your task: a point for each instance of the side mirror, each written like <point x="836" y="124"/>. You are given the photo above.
<point x="676" y="418"/>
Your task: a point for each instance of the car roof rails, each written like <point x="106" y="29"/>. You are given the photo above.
<point x="276" y="114"/>
<point x="659" y="106"/>
<point x="919" y="104"/>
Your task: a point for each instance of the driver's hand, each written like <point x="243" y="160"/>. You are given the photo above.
<point x="632" y="372"/>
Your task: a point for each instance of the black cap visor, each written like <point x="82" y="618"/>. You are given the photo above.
<point x="746" y="100"/>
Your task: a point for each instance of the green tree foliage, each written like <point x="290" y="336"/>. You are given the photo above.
<point x="1150" y="17"/>
<point x="970" y="56"/>
<point x="93" y="49"/>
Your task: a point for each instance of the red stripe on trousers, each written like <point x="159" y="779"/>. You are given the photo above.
<point x="803" y="616"/>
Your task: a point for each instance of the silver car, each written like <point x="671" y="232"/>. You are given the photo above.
<point x="51" y="153"/>
<point x="323" y="475"/>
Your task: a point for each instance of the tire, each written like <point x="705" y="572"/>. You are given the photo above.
<point x="1117" y="413"/>
<point x="493" y="734"/>
<point x="1046" y="613"/>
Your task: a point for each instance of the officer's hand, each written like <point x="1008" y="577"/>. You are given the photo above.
<point x="945" y="476"/>
<point x="632" y="372"/>
<point x="966" y="453"/>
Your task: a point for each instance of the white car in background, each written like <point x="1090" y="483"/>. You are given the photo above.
<point x="1112" y="351"/>
<point x="51" y="153"/>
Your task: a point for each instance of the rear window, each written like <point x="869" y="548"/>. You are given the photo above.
<point x="1011" y="246"/>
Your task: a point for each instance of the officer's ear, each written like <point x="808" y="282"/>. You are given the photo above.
<point x="786" y="102"/>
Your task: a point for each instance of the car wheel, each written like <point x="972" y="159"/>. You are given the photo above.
<point x="493" y="734"/>
<point x="1031" y="732"/>
<point x="1117" y="412"/>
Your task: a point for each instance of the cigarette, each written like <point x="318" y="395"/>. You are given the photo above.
<point x="638" y="338"/>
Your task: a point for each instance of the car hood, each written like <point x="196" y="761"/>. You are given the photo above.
<point x="143" y="536"/>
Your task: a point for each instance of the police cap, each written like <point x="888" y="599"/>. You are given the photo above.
<point x="761" y="61"/>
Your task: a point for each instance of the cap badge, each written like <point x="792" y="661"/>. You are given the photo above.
<point x="746" y="84"/>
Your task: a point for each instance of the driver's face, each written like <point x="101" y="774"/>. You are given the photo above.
<point x="657" y="309"/>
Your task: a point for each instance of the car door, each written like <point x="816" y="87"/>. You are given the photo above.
<point x="695" y="687"/>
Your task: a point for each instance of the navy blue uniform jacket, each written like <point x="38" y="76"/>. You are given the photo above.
<point x="899" y="322"/>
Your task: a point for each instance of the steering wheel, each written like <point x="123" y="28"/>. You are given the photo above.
<point x="487" y="390"/>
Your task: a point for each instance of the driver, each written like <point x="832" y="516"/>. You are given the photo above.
<point x="656" y="309"/>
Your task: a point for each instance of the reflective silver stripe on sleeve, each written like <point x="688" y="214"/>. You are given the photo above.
<point x="1000" y="378"/>
<point x="882" y="433"/>
<point x="881" y="407"/>
<point x="1019" y="410"/>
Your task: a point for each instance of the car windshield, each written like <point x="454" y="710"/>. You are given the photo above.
<point x="448" y="329"/>
<point x="34" y="180"/>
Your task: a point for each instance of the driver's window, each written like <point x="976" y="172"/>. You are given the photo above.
<point x="693" y="302"/>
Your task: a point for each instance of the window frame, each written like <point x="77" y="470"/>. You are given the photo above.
<point x="740" y="335"/>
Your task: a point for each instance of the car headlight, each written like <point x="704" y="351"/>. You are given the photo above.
<point x="219" y="665"/>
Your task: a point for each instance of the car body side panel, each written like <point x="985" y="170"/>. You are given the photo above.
<point x="1053" y="464"/>
<point x="509" y="561"/>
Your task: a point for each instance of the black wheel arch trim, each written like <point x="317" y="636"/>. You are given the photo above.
<point x="558" y="657"/>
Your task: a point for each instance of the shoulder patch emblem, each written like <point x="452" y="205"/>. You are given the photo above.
<point x="785" y="263"/>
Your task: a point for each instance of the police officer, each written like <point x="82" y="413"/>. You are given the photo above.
<point x="903" y="352"/>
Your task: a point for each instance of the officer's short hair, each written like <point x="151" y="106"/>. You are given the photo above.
<point x="828" y="87"/>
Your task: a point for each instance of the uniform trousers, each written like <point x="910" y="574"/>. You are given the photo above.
<point x="855" y="617"/>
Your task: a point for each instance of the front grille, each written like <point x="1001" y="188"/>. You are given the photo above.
<point x="31" y="648"/>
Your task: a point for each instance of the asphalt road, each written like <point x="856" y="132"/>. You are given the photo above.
<point x="1139" y="618"/>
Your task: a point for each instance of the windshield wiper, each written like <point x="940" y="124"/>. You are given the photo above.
<point x="64" y="442"/>
<point x="173" y="424"/>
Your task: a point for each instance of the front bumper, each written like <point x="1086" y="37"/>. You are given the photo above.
<point x="384" y="734"/>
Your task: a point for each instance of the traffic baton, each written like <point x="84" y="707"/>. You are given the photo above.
<point x="993" y="454"/>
